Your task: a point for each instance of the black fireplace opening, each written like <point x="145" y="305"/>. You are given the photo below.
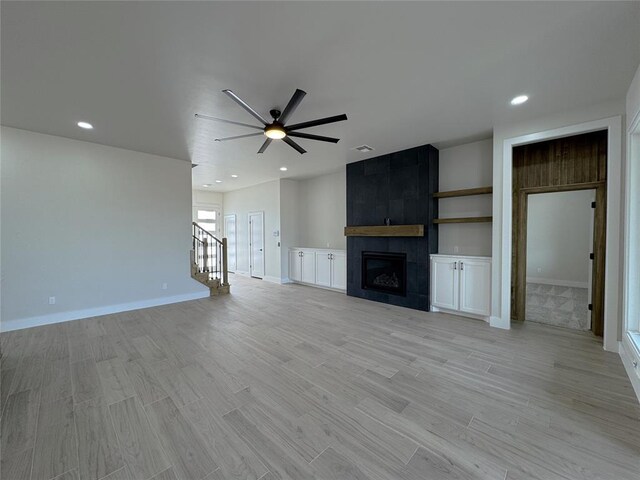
<point x="385" y="272"/>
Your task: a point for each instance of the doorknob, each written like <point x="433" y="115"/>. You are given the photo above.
<point x="260" y="249"/>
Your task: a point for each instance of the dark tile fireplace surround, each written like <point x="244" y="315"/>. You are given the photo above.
<point x="398" y="186"/>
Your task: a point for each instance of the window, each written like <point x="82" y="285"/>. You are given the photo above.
<point x="208" y="217"/>
<point x="632" y="239"/>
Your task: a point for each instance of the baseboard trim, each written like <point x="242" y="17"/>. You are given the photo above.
<point x="627" y="354"/>
<point x="499" y="322"/>
<point x="271" y="279"/>
<point x="60" y="317"/>
<point x="458" y="313"/>
<point x="559" y="283"/>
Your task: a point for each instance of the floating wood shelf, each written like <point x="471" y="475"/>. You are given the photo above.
<point x="464" y="193"/>
<point x="463" y="220"/>
<point x="385" y="231"/>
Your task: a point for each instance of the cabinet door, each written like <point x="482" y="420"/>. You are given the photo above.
<point x="444" y="282"/>
<point x="339" y="271"/>
<point x="308" y="266"/>
<point x="475" y="286"/>
<point x="295" y="266"/>
<point x="323" y="269"/>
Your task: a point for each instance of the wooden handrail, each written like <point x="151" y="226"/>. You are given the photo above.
<point x="206" y="244"/>
<point x="206" y="232"/>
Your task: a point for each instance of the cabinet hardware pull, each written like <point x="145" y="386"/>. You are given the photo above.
<point x="455" y="265"/>
<point x="461" y="266"/>
<point x="329" y="256"/>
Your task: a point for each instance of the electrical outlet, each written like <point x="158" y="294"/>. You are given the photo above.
<point x="539" y="270"/>
<point x="456" y="249"/>
<point x="164" y="286"/>
<point x="52" y="300"/>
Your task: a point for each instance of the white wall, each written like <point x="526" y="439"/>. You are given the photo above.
<point x="630" y="351"/>
<point x="258" y="198"/>
<point x="465" y="166"/>
<point x="560" y="237"/>
<point x="323" y="210"/>
<point x="499" y="288"/>
<point x="99" y="228"/>
<point x="631" y="259"/>
<point x="204" y="197"/>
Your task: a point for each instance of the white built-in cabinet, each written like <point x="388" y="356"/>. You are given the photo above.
<point x="320" y="267"/>
<point x="461" y="284"/>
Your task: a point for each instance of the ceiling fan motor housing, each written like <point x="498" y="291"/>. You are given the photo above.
<point x="275" y="113"/>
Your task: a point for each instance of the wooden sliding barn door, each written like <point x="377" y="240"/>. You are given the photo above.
<point x="578" y="162"/>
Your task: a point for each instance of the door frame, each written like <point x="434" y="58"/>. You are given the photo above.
<point x="264" y="273"/>
<point x="235" y="243"/>
<point x="502" y="248"/>
<point x="598" y="248"/>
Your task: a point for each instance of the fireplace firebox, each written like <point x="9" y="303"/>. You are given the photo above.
<point x="385" y="272"/>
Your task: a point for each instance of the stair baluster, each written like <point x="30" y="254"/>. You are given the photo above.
<point x="209" y="260"/>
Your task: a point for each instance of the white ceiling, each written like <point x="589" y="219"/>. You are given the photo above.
<point x="405" y="73"/>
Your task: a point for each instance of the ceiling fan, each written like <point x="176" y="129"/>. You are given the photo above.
<point x="277" y="129"/>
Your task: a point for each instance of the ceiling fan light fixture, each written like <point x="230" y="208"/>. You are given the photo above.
<point x="275" y="132"/>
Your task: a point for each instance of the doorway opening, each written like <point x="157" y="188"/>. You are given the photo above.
<point x="562" y="165"/>
<point x="559" y="263"/>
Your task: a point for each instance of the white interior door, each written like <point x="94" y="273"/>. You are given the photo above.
<point x="232" y="242"/>
<point x="444" y="282"/>
<point x="256" y="244"/>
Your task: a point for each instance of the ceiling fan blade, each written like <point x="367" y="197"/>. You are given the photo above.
<point x="238" y="136"/>
<point x="244" y="105"/>
<point x="313" y="137"/>
<point x="315" y="123"/>
<point x="296" y="98"/>
<point x="207" y="117"/>
<point x="264" y="146"/>
<point x="294" y="145"/>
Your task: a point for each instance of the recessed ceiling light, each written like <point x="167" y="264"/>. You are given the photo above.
<point x="85" y="125"/>
<point x="283" y="169"/>
<point x="234" y="176"/>
<point x="206" y="185"/>
<point x="218" y="181"/>
<point x="519" y="100"/>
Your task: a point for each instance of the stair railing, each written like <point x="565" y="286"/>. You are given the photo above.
<point x="210" y="254"/>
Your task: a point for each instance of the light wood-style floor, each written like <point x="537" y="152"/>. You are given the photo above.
<point x="294" y="382"/>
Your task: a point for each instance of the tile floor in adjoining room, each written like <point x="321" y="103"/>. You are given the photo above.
<point x="558" y="306"/>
